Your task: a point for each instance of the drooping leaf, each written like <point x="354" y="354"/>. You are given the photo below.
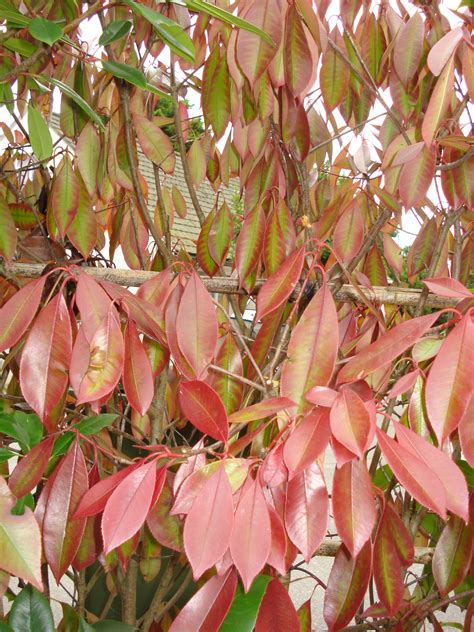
<point x="220" y="234"/>
<point x="196" y="326"/>
<point x="312" y="349"/>
<point x="409" y="48"/>
<point x="62" y="531"/>
<point x="244" y="609"/>
<point x="418" y="479"/>
<point x="279" y="286"/>
<point x="297" y="60"/>
<point x="248" y="247"/>
<point x="128" y="506"/>
<point x="351" y="422"/>
<point x="216" y="91"/>
<point x="17" y="314"/>
<point x="87" y="156"/>
<point x="208" y="526"/>
<point x="65" y="195"/>
<point x="416" y="177"/>
<point x="77" y="98"/>
<point x="113" y="31"/>
<point x="453" y="480"/>
<point x="349" y="233"/>
<point x="445" y="286"/>
<point x="30" y="468"/>
<point x="353" y="505"/>
<point x="261" y="410"/>
<point x="385" y="349"/>
<point x="82" y="230"/>
<point x="93" y="425"/>
<point x="277" y="610"/>
<point x="45" y="30"/>
<point x="155" y="143"/>
<point x="95" y="499"/>
<point x="449" y="383"/>
<point x="137" y="374"/>
<point x="31" y="611"/>
<point x="204" y="408"/>
<point x="451" y="559"/>
<point x="207" y="609"/>
<point x="229" y="389"/>
<point x="443" y="49"/>
<point x="167" y="529"/>
<point x="334" y="74"/>
<point x="45" y="360"/>
<point x="8" y="234"/>
<point x="307" y="442"/>
<point x="125" y="72"/>
<point x="20" y="541"/>
<point x="39" y="134"/>
<point x="347" y="585"/>
<point x="439" y="103"/>
<point x="251" y="537"/>
<point x="307" y="510"/>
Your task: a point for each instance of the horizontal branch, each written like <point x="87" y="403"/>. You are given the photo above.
<point x="391" y="295"/>
<point x="330" y="547"/>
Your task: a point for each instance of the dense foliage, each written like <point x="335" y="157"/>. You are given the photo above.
<point x="164" y="458"/>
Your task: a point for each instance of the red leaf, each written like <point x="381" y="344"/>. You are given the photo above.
<point x="452" y="556"/>
<point x="267" y="408"/>
<point x="385" y="349"/>
<point x="137" y="375"/>
<point x="208" y="607"/>
<point x="349" y="233"/>
<point x="273" y="470"/>
<point x="279" y="286"/>
<point x="196" y="326"/>
<point x="466" y="433"/>
<point x="451" y="477"/>
<point x="95" y="499"/>
<point x="444" y="286"/>
<point x="165" y="528"/>
<point x="450" y="381"/>
<point x="30" y="468"/>
<point x="45" y="360"/>
<point x="347" y="585"/>
<point x="128" y="506"/>
<point x="418" y="479"/>
<point x="251" y="538"/>
<point x="93" y="303"/>
<point x="351" y="422"/>
<point x="307" y="442"/>
<point x="277" y="611"/>
<point x="321" y="396"/>
<point x="277" y="556"/>
<point x="62" y="530"/>
<point x="312" y="350"/>
<point x="208" y="526"/>
<point x="204" y="408"/>
<point x="353" y="505"/>
<point x="404" y="384"/>
<point x="304" y="616"/>
<point x="18" y="312"/>
<point x="306" y="510"/>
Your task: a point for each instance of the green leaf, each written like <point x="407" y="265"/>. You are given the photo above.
<point x="84" y="626"/>
<point x="78" y="100"/>
<point x="170" y="32"/>
<point x="122" y="71"/>
<point x="6" y="454"/>
<point x="11" y="13"/>
<point x="93" y="425"/>
<point x="31" y="611"/>
<point x="244" y="609"/>
<point x="26" y="429"/>
<point x="20" y="46"/>
<point x="5" y="628"/>
<point x="45" y="31"/>
<point x="40" y="136"/>
<point x="114" y="31"/>
<point x="201" y="6"/>
<point x="62" y="443"/>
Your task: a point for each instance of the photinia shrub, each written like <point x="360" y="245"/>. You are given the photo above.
<point x="267" y="376"/>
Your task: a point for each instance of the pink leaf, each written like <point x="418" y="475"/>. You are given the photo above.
<point x="351" y="422"/>
<point x="208" y="525"/>
<point x="443" y="49"/>
<point x="266" y="408"/>
<point x="18" y="312"/>
<point x="279" y="286"/>
<point x="251" y="538"/>
<point x="277" y="611"/>
<point x="204" y="408"/>
<point x="137" y="374"/>
<point x="307" y="442"/>
<point x="444" y="286"/>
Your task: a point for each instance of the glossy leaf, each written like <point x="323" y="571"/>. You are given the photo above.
<point x="167" y="529"/>
<point x="113" y="31"/>
<point x="62" y="531"/>
<point x="385" y="349"/>
<point x="128" y="506"/>
<point x="439" y="103"/>
<point x="451" y="559"/>
<point x="204" y="408"/>
<point x="347" y="584"/>
<point x="39" y="134"/>
<point x="307" y="442"/>
<point x="17" y="314"/>
<point x="454" y="483"/>
<point x="65" y="195"/>
<point x="30" y="468"/>
<point x="306" y="510"/>
<point x="445" y="286"/>
<point x="351" y="422"/>
<point x="353" y="505"/>
<point x="263" y="409"/>
<point x="95" y="499"/>
<point x="208" y="526"/>
<point x="312" y="349"/>
<point x="418" y="479"/>
<point x="277" y="610"/>
<point x="279" y="286"/>
<point x="443" y="49"/>
<point x="251" y="537"/>
<point x="137" y="374"/>
<point x="229" y="389"/>
<point x="20" y="540"/>
<point x="298" y="60"/>
<point x="220" y="234"/>
<point x="449" y="383"/>
<point x="45" y="360"/>
<point x="249" y="243"/>
<point x="31" y="611"/>
<point x="244" y="609"/>
<point x="209" y="606"/>
<point x="196" y="326"/>
<point x="45" y="30"/>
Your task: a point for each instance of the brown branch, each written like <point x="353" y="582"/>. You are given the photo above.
<point x="456" y="163"/>
<point x="391" y="295"/>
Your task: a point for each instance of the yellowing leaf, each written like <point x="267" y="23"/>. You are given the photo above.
<point x="156" y="145"/>
<point x="439" y="103"/>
